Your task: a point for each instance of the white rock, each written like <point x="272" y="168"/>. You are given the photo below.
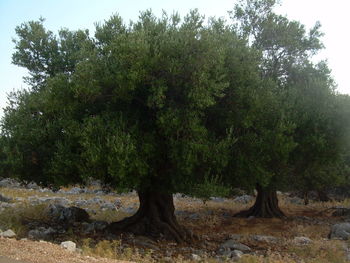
<point x="267" y="239"/>
<point x="236" y="254"/>
<point x="8" y="233"/>
<point x="234" y="245"/>
<point x="244" y="199"/>
<point x="69" y="245"/>
<point x="196" y="257"/>
<point x="340" y="231"/>
<point x="302" y="240"/>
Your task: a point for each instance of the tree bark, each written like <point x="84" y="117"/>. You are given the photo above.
<point x="322" y="196"/>
<point x="155" y="218"/>
<point x="265" y="206"/>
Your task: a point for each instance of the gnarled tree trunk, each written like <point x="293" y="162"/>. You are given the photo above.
<point x="155" y="217"/>
<point x="266" y="205"/>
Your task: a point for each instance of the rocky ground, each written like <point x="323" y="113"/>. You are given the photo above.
<point x="40" y="225"/>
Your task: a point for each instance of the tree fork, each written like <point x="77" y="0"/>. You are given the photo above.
<point x="265" y="206"/>
<point x="155" y="217"/>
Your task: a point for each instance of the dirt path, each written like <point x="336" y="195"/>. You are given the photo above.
<point x="25" y="251"/>
<point x="9" y="260"/>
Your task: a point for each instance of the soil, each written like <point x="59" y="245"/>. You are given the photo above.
<point x="25" y="251"/>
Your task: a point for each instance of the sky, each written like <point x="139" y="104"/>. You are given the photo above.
<point x="83" y="14"/>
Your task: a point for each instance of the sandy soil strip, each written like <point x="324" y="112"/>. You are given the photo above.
<point x="45" y="252"/>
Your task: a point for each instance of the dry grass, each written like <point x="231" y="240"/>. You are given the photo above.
<point x="215" y="224"/>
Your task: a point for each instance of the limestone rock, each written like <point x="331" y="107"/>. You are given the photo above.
<point x="10" y="183"/>
<point x="236" y="254"/>
<point x="8" y="233"/>
<point x="94" y="227"/>
<point x="244" y="199"/>
<point x="67" y="215"/>
<point x="267" y="239"/>
<point x="4" y="199"/>
<point x="232" y="244"/>
<point x="340" y="231"/>
<point x="42" y="233"/>
<point x="302" y="240"/>
<point x="195" y="257"/>
<point x="69" y="245"/>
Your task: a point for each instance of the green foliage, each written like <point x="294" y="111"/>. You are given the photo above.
<point x="177" y="105"/>
<point x="289" y="129"/>
<point x="128" y="106"/>
<point x="211" y="187"/>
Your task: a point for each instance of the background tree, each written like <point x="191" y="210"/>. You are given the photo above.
<point x="316" y="161"/>
<point x="284" y="45"/>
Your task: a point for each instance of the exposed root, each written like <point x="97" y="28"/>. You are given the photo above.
<point x="266" y="206"/>
<point x="155" y="218"/>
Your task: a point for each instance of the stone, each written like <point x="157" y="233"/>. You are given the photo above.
<point x="67" y="215"/>
<point x="225" y="253"/>
<point x="96" y="201"/>
<point x="73" y="214"/>
<point x="75" y="191"/>
<point x="4" y="199"/>
<point x="267" y="239"/>
<point x="129" y="210"/>
<point x="54" y="199"/>
<point x="117" y="203"/>
<point x="98" y="192"/>
<point x="217" y="199"/>
<point x="196" y="257"/>
<point x="236" y="254"/>
<point x="94" y="227"/>
<point x="235" y="237"/>
<point x="10" y="183"/>
<point x="69" y="245"/>
<point x="45" y="190"/>
<point x="3" y="206"/>
<point x="108" y="206"/>
<point x="8" y="233"/>
<point x="42" y="233"/>
<point x="233" y="254"/>
<point x="244" y="199"/>
<point x="178" y="195"/>
<point x="302" y="240"/>
<point x="32" y="185"/>
<point x="340" y="231"/>
<point x="232" y="244"/>
<point x="81" y="202"/>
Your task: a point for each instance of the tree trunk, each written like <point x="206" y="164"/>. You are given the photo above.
<point x="306" y="197"/>
<point x="323" y="196"/>
<point x="266" y="205"/>
<point x="155" y="217"/>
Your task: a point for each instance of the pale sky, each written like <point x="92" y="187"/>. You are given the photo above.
<point x="81" y="14"/>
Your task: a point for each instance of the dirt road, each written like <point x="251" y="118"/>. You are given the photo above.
<point x="8" y="260"/>
<point x="26" y="251"/>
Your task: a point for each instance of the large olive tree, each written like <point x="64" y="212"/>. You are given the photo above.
<point x="130" y="106"/>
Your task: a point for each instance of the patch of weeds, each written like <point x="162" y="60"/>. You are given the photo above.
<point x="114" y="250"/>
<point x="109" y="215"/>
<point x="102" y="248"/>
<point x="16" y="218"/>
<point x="270" y="258"/>
<point x="320" y="252"/>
